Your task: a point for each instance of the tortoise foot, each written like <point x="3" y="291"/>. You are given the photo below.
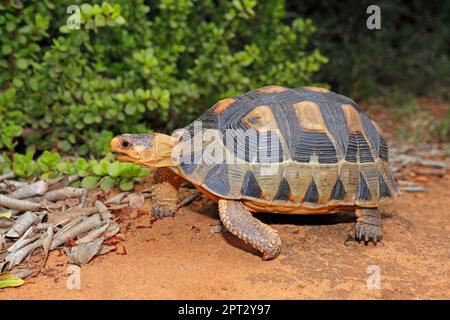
<point x="369" y="226"/>
<point x="164" y="200"/>
<point x="160" y="212"/>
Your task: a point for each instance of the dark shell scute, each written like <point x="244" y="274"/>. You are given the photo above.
<point x="338" y="192"/>
<point x="250" y="186"/>
<point x="383" y="150"/>
<point x="284" y="190"/>
<point x="384" y="189"/>
<point x="314" y="143"/>
<point x="217" y="179"/>
<point x="363" y="192"/>
<point x="312" y="195"/>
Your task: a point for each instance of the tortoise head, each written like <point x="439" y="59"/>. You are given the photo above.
<point x="150" y="150"/>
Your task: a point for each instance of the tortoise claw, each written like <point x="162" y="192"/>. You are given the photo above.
<point x="368" y="232"/>
<point x="159" y="211"/>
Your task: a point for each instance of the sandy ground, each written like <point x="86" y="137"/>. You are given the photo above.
<point x="179" y="258"/>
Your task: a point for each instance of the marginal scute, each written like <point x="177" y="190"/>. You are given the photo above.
<point x="284" y="190"/>
<point x="384" y="189"/>
<point x="222" y="105"/>
<point x="363" y="192"/>
<point x="338" y="192"/>
<point x="312" y="195"/>
<point x="383" y="150"/>
<point x="250" y="186"/>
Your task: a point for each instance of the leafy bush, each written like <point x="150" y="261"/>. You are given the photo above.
<point x="133" y="67"/>
<point x="105" y="174"/>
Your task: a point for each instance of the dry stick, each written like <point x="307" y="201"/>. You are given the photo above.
<point x="189" y="199"/>
<point x="9" y="185"/>
<point x="57" y="218"/>
<point x="6" y="222"/>
<point x="31" y="190"/>
<point x="434" y="163"/>
<point x="83" y="253"/>
<point x="23" y="273"/>
<point x="62" y="182"/>
<point x="58" y="194"/>
<point x="103" y="210"/>
<point x="416" y="188"/>
<point x="136" y="199"/>
<point x="63" y="193"/>
<point x="20" y="205"/>
<point x="82" y="227"/>
<point x="22" y="224"/>
<point x="83" y="199"/>
<point x="46" y="245"/>
<point x="93" y="234"/>
<point x="117" y="198"/>
<point x="23" y="240"/>
<point x="17" y="257"/>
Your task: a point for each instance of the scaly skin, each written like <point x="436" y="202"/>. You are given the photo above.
<point x="165" y="192"/>
<point x="243" y="225"/>
<point x="368" y="225"/>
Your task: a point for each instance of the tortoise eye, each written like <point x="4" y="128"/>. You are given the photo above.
<point x="126" y="144"/>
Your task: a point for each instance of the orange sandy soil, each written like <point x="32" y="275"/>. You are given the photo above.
<point x="179" y="258"/>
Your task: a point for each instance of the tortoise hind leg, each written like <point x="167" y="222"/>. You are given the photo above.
<point x="241" y="223"/>
<point x="368" y="224"/>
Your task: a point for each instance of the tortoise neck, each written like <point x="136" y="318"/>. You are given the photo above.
<point x="162" y="151"/>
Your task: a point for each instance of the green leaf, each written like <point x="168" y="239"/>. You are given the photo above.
<point x="114" y="169"/>
<point x="100" y="21"/>
<point x="86" y="9"/>
<point x="5" y="215"/>
<point x="143" y="172"/>
<point x="126" y="185"/>
<point x="120" y="21"/>
<point x="10" y="280"/>
<point x="107" y="183"/>
<point x="22" y="63"/>
<point x="89" y="182"/>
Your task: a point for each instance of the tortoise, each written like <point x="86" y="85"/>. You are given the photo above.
<point x="293" y="151"/>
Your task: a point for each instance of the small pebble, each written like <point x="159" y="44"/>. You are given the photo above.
<point x="218" y="228"/>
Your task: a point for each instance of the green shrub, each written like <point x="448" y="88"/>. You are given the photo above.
<point x="132" y="67"/>
<point x="106" y="173"/>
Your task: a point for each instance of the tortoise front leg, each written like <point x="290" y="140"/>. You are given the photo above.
<point x="243" y="225"/>
<point x="165" y="192"/>
<point x="368" y="224"/>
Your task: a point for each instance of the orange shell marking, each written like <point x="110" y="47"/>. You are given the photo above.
<point x="309" y="115"/>
<point x="353" y="119"/>
<point x="260" y="119"/>
<point x="222" y="105"/>
<point x="316" y="89"/>
<point x="271" y="89"/>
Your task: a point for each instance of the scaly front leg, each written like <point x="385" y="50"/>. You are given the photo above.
<point x="165" y="192"/>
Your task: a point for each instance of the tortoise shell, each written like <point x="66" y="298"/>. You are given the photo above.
<point x="305" y="150"/>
